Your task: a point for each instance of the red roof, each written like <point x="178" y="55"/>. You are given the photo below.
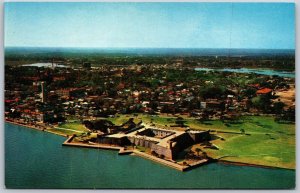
<point x="171" y="92"/>
<point x="10" y="101"/>
<point x="254" y="85"/>
<point x="264" y="91"/>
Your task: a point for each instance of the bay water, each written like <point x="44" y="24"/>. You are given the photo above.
<point x="36" y="159"/>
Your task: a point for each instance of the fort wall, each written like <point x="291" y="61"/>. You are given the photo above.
<point x="168" y="149"/>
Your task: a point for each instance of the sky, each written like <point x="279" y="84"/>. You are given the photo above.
<point x="150" y="25"/>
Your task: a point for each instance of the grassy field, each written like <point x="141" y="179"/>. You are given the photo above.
<point x="265" y="141"/>
<point x="250" y="124"/>
<point x="119" y="119"/>
<point x="61" y="131"/>
<point x="160" y="120"/>
<point x="74" y="126"/>
<point x="70" y="128"/>
<point x="272" y="150"/>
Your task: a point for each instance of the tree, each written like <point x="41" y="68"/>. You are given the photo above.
<point x="250" y="92"/>
<point x="212" y="92"/>
<point x="256" y="101"/>
<point x="262" y="102"/>
<point x="198" y="150"/>
<point x="278" y="107"/>
<point x="242" y="131"/>
<point x="180" y="121"/>
<point x="204" y="116"/>
<point x="88" y="124"/>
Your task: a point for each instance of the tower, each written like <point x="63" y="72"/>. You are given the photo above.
<point x="52" y="62"/>
<point x="43" y="94"/>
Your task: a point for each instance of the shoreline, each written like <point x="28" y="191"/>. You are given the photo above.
<point x="140" y="154"/>
<point x="35" y="128"/>
<point x="227" y="162"/>
<point x="252" y="68"/>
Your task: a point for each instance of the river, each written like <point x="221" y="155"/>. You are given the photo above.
<point x="268" y="72"/>
<point x="46" y="65"/>
<point x="35" y="159"/>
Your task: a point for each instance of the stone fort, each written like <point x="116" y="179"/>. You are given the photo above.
<point x="162" y="142"/>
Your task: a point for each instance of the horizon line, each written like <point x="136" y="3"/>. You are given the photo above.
<point x="85" y="47"/>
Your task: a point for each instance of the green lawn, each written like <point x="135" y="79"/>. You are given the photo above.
<point x="69" y="128"/>
<point x="268" y="143"/>
<point x="271" y="150"/>
<point x="63" y="132"/>
<point x="167" y="120"/>
<point x="74" y="126"/>
<point x="120" y="119"/>
<point x="251" y="124"/>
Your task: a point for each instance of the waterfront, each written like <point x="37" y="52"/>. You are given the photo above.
<point x="36" y="159"/>
<point x="268" y="72"/>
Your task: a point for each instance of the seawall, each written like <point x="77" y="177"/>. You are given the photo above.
<point x="34" y="127"/>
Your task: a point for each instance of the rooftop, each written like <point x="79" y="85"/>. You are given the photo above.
<point x="264" y="91"/>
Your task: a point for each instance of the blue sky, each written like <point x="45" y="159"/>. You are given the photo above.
<point x="155" y="25"/>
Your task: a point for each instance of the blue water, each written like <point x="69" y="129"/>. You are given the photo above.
<point x="35" y="159"/>
<point x="268" y="72"/>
